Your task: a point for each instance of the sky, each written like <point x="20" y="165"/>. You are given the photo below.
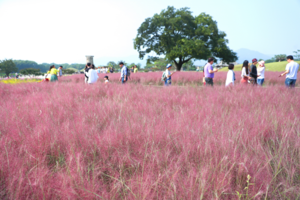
<point x="65" y="31"/>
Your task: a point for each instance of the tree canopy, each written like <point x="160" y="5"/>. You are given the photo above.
<point x="280" y="57"/>
<point x="181" y="37"/>
<point x="31" y="71"/>
<point x="8" y="66"/>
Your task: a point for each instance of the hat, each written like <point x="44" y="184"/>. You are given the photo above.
<point x="121" y="63"/>
<point x="262" y="63"/>
<point x="254" y="60"/>
<point x="169" y="65"/>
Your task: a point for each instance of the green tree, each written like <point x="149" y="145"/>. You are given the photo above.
<point x="68" y="71"/>
<point x="7" y="66"/>
<point x="181" y="37"/>
<point x="297" y="55"/>
<point x="112" y="64"/>
<point x="31" y="71"/>
<point x="279" y="57"/>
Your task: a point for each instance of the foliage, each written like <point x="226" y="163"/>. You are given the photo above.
<point x="68" y="71"/>
<point x="69" y="140"/>
<point x="44" y="67"/>
<point x="7" y="66"/>
<point x="297" y="55"/>
<point x="181" y="37"/>
<point x="112" y="64"/>
<point x="31" y="71"/>
<point x="280" y="57"/>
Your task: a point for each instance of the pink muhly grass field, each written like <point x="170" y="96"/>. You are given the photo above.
<point x="68" y="140"/>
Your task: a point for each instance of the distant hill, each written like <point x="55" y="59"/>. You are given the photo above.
<point x="246" y="54"/>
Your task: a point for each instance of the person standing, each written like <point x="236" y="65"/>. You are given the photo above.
<point x="245" y="72"/>
<point x="92" y="74"/>
<point x="209" y="72"/>
<point x="168" y="75"/>
<point x="111" y="70"/>
<point x="123" y="77"/>
<point x="230" y="75"/>
<point x="261" y="73"/>
<point x="59" y="71"/>
<point x="86" y="72"/>
<point x="253" y="72"/>
<point x="135" y="69"/>
<point x="53" y="73"/>
<point x="203" y="80"/>
<point x="291" y="71"/>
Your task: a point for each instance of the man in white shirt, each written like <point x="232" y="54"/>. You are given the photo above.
<point x="291" y="71"/>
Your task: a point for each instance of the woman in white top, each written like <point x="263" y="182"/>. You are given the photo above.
<point x="93" y="76"/>
<point x="230" y="75"/>
<point x="245" y="72"/>
<point x="261" y="72"/>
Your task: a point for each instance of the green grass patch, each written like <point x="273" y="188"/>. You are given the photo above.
<point x="275" y="67"/>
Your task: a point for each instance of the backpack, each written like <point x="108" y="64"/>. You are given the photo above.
<point x="164" y="76"/>
<point x="128" y="71"/>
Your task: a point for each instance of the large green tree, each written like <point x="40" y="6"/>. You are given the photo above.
<point x="8" y="66"/>
<point x="181" y="37"/>
<point x="280" y="57"/>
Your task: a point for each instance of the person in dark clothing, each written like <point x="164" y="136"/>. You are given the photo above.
<point x="86" y="72"/>
<point x="253" y="72"/>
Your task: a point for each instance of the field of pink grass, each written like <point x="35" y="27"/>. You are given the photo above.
<point x="68" y="140"/>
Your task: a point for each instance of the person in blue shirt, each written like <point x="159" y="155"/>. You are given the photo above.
<point x="123" y="77"/>
<point x="291" y="71"/>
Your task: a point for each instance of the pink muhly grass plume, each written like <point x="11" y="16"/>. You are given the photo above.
<point x="69" y="140"/>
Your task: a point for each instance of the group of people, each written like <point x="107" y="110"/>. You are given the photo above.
<point x="91" y="74"/>
<point x="53" y="73"/>
<point x="105" y="70"/>
<point x="251" y="74"/>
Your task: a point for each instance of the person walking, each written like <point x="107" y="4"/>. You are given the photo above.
<point x="53" y="73"/>
<point x="253" y="72"/>
<point x="168" y="75"/>
<point x="230" y="75"/>
<point x="209" y="72"/>
<point x="291" y="71"/>
<point x="123" y="77"/>
<point x="245" y="72"/>
<point x="261" y="73"/>
<point x="59" y="73"/>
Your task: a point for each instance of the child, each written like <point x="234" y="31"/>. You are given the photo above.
<point x="230" y="75"/>
<point x="168" y="75"/>
<point x="106" y="80"/>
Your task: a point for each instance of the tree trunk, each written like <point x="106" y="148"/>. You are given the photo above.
<point x="178" y="65"/>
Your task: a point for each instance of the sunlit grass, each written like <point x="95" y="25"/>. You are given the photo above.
<point x="17" y="81"/>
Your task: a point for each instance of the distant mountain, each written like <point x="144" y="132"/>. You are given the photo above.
<point x="246" y="54"/>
